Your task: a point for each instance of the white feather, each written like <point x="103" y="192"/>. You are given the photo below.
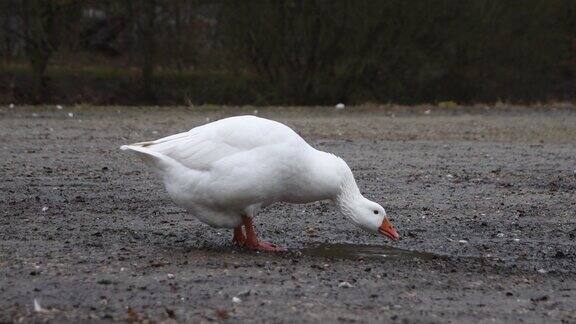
<point x="235" y="166"/>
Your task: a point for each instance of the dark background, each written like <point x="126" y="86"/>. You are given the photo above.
<point x="309" y="52"/>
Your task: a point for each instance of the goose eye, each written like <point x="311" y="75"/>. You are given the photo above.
<point x="376" y="212"/>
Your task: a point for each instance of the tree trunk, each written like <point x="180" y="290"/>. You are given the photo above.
<point x="39" y="19"/>
<point x="148" y="50"/>
<point x="39" y="63"/>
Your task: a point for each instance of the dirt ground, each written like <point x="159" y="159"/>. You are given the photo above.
<point x="88" y="233"/>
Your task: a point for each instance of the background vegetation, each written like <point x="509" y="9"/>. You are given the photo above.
<point x="286" y="52"/>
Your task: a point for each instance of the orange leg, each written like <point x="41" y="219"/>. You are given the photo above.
<point x="252" y="241"/>
<point x="239" y="237"/>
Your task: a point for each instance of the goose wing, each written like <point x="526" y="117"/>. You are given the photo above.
<point x="202" y="146"/>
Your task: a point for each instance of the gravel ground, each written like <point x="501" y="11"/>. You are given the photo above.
<point x="488" y="193"/>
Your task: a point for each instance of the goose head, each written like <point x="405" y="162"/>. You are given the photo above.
<point x="368" y="215"/>
<point x="333" y="176"/>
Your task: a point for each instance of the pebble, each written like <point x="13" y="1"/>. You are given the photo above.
<point x="245" y="293"/>
<point x="236" y="300"/>
<point x="345" y="284"/>
<point x="340" y="106"/>
<point x="37" y="307"/>
<point x="170" y="276"/>
<point x="540" y="299"/>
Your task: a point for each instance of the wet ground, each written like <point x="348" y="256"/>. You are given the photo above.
<point x="484" y="199"/>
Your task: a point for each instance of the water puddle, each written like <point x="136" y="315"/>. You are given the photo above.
<point x="365" y="251"/>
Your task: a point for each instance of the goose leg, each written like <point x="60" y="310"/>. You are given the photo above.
<point x="252" y="241"/>
<point x="239" y="237"/>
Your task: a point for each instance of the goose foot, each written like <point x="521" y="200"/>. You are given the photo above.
<point x="251" y="240"/>
<point x="239" y="237"/>
<point x="265" y="246"/>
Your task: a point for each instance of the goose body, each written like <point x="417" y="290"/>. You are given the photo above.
<point x="225" y="171"/>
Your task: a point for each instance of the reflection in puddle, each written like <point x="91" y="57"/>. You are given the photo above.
<point x="364" y="251"/>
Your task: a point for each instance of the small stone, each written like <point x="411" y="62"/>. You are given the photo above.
<point x="245" y="293"/>
<point x="345" y="284"/>
<point x="540" y="299"/>
<point x="59" y="107"/>
<point x="560" y="255"/>
<point x="311" y="231"/>
<point x="171" y="313"/>
<point x="340" y="106"/>
<point x="222" y="314"/>
<point x="542" y="271"/>
<point x="37" y="307"/>
<point x="12" y="107"/>
<point x="70" y="114"/>
<point x="45" y="208"/>
<point x="463" y="241"/>
<point x="171" y="276"/>
<point x="236" y="300"/>
<point x="500" y="234"/>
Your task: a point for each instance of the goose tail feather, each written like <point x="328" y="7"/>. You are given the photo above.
<point x="157" y="161"/>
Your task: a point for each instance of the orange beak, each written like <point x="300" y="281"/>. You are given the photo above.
<point x="388" y="229"/>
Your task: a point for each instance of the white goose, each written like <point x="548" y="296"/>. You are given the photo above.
<point x="224" y="172"/>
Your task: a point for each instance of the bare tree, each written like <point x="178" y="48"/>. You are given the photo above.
<point x="39" y="26"/>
